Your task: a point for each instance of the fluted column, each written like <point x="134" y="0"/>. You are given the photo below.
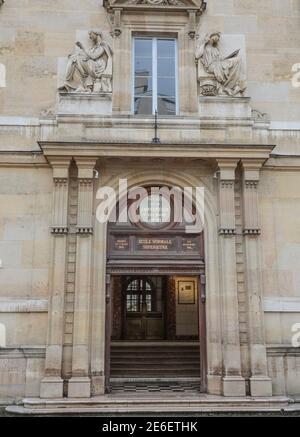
<point x="233" y="383"/>
<point x="80" y="384"/>
<point x="260" y="383"/>
<point x="52" y="383"/>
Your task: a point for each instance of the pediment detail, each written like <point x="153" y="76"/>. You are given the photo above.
<point x="118" y="8"/>
<point x="199" y="5"/>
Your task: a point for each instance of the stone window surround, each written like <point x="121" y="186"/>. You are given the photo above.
<point x="123" y="60"/>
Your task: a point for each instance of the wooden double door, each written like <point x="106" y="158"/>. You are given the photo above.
<point x="144" y="308"/>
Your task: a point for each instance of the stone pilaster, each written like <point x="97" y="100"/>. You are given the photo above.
<point x="233" y="383"/>
<point x="80" y="384"/>
<point x="260" y="383"/>
<point x="188" y="94"/>
<point x="52" y="383"/>
<point x="122" y="61"/>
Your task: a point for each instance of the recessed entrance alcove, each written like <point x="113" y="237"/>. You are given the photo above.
<point x="156" y="310"/>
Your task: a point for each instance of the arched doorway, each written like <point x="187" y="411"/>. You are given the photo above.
<point x="156" y="312"/>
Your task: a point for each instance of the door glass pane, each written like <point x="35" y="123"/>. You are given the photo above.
<point x="143" y="47"/>
<point x="132" y="303"/>
<point x="166" y="48"/>
<point x="165" y="87"/>
<point x="148" y="303"/>
<point x="143" y="86"/>
<point x="143" y="66"/>
<point x="143" y="105"/>
<point x="166" y="67"/>
<point x="166" y="105"/>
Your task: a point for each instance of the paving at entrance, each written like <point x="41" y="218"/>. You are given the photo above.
<point x="190" y="388"/>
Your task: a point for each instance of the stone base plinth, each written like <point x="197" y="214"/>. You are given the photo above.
<point x="225" y="108"/>
<point x="98" y="385"/>
<point x="52" y="387"/>
<point x="79" y="387"/>
<point x="80" y="104"/>
<point x="214" y="385"/>
<point x="260" y="386"/>
<point x="234" y="386"/>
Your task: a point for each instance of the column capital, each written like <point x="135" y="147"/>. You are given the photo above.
<point x="227" y="168"/>
<point x="60" y="165"/>
<point x="60" y="176"/>
<point x="251" y="174"/>
<point x="85" y="165"/>
<point x="251" y="169"/>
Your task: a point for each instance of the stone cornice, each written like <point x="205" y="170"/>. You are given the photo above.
<point x="96" y="150"/>
<point x="59" y="230"/>
<point x="21" y="158"/>
<point x="251" y="231"/>
<point x="227" y="231"/>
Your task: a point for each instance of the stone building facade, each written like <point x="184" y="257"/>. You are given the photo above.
<point x="78" y="117"/>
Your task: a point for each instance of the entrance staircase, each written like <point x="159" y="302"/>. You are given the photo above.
<point x="155" y="366"/>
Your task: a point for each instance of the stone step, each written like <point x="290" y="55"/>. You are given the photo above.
<point x="161" y="360"/>
<point x="154" y="403"/>
<point x="152" y="373"/>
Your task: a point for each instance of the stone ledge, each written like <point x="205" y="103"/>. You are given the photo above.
<point x="84" y="104"/>
<point x="283" y="350"/>
<point x="281" y="305"/>
<point x="10" y="305"/>
<point x="22" y="352"/>
<point x="226" y="108"/>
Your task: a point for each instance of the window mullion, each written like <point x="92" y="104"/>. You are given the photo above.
<point x="176" y="79"/>
<point x="134" y="76"/>
<point x="154" y="75"/>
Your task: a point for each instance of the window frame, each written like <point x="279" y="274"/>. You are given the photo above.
<point x="155" y="97"/>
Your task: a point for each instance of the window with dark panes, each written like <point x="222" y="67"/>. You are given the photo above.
<point x="155" y="76"/>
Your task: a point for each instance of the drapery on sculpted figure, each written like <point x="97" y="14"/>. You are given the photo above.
<point x="89" y="70"/>
<point x="227" y="71"/>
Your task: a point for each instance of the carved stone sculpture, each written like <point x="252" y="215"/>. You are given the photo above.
<point x="219" y="75"/>
<point x="89" y="70"/>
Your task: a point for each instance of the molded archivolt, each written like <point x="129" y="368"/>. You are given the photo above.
<point x="213" y="308"/>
